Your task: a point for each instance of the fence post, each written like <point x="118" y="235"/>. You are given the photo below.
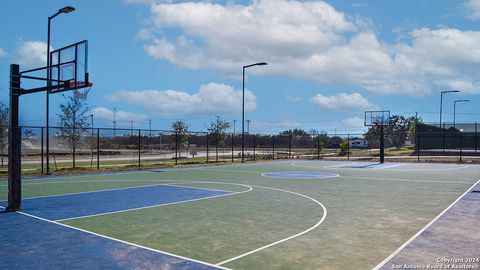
<point x="74" y="148"/>
<point x="290" y="146"/>
<point x="417" y="144"/>
<point x="41" y="146"/>
<point x="254" y="147"/>
<point x="348" y="146"/>
<point x="176" y="148"/>
<point x="139" y="149"/>
<point x="273" y="147"/>
<point x="207" y="147"/>
<point x="443" y="136"/>
<point x="476" y="137"/>
<point x="98" y="149"/>
<point x="233" y="141"/>
<point x="318" y="146"/>
<point x="461" y="146"/>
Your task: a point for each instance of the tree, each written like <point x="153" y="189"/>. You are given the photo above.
<point x="180" y="136"/>
<point x="3" y="127"/>
<point x="344" y="147"/>
<point x="294" y="132"/>
<point x="412" y="132"/>
<point x="398" y="129"/>
<point x="217" y="132"/>
<point x="395" y="133"/>
<point x="74" y="123"/>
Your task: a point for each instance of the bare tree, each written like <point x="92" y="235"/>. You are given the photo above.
<point x="217" y="131"/>
<point x="3" y="128"/>
<point x="74" y="122"/>
<point x="180" y="137"/>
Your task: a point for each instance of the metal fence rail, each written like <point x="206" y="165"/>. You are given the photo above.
<point x="108" y="148"/>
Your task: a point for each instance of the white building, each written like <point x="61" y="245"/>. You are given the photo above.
<point x="358" y="143"/>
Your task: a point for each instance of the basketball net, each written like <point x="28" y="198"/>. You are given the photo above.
<point x="81" y="95"/>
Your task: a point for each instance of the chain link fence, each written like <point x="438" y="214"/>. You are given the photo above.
<point x="111" y="149"/>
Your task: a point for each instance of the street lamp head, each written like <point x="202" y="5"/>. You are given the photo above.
<point x="462" y="100"/>
<point x="66" y="9"/>
<point x="451" y="91"/>
<point x="256" y="64"/>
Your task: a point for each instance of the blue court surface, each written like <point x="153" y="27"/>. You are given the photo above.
<point x="32" y="243"/>
<point x="299" y="175"/>
<point x="100" y="202"/>
<point x="54" y="246"/>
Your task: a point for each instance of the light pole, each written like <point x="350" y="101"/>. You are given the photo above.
<point x="441" y="103"/>
<point x="149" y="134"/>
<point x="234" y="121"/>
<point x="66" y="9"/>
<point x="455" y="107"/>
<point x="248" y="126"/>
<point x="114" y="121"/>
<point x="243" y="105"/>
<point x="131" y="130"/>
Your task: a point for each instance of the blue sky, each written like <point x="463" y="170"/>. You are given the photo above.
<point x="329" y="61"/>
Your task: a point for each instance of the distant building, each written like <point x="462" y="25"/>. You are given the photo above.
<point x="358" y="143"/>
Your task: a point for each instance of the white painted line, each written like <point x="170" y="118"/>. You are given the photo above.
<point x="324" y="210"/>
<point x="93" y="191"/>
<point x="340" y="166"/>
<point x="156" y="205"/>
<point x="121" y="241"/>
<point x="422" y="230"/>
<point x="332" y="175"/>
<point x="432" y="169"/>
<point x="404" y="180"/>
<point x="229" y="171"/>
<point x="210" y="189"/>
<point x="95" y="181"/>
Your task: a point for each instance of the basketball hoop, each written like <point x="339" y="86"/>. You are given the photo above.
<point x="82" y="95"/>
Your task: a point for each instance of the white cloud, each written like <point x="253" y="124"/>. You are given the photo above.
<point x="32" y="53"/>
<point x="121" y="117"/>
<point x="211" y="99"/>
<point x="273" y="126"/>
<point x="293" y="99"/>
<point x="473" y="9"/>
<point x="312" y="40"/>
<point x="353" y="122"/>
<point x="2" y="52"/>
<point x="342" y="102"/>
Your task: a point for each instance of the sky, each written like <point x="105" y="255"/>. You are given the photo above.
<point x="328" y="61"/>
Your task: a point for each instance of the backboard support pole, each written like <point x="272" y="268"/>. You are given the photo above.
<point x="14" y="142"/>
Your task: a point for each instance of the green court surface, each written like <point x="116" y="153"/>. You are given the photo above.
<point x="350" y="221"/>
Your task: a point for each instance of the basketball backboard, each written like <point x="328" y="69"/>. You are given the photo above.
<point x="69" y="67"/>
<point x="377" y="118"/>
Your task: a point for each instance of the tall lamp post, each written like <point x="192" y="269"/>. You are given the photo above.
<point x="441" y="103"/>
<point x="243" y="105"/>
<point x="66" y="9"/>
<point x="114" y="121"/>
<point x="455" y="107"/>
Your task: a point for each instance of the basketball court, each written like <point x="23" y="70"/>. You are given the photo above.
<point x="285" y="214"/>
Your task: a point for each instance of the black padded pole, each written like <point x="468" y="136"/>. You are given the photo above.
<point x="15" y="144"/>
